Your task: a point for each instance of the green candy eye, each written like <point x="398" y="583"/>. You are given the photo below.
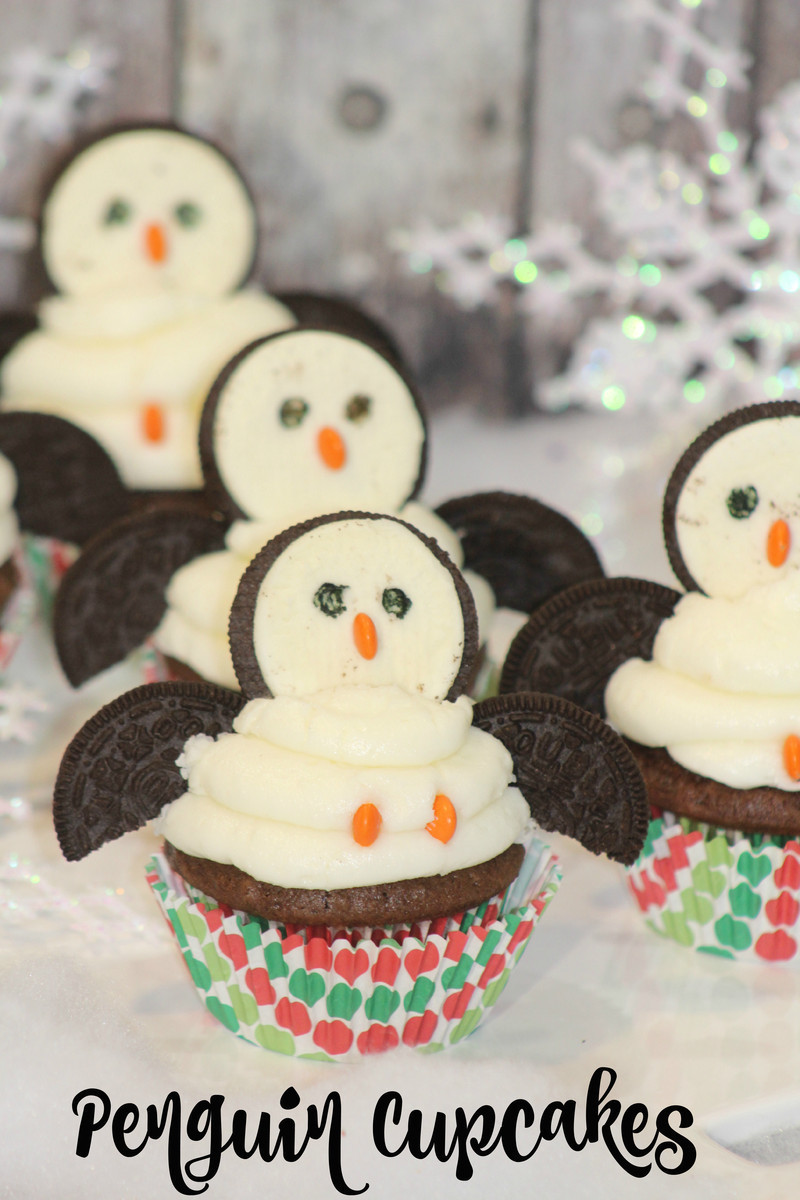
<point x="358" y="408"/>
<point x="118" y="213"/>
<point x="329" y="600"/>
<point x="293" y="411"/>
<point x="396" y="602"/>
<point x="188" y="215"/>
<point x="742" y="502"/>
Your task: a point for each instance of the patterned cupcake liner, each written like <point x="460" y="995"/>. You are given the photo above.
<point x="18" y="612"/>
<point x="46" y="560"/>
<point x="340" y="994"/>
<point x="720" y="891"/>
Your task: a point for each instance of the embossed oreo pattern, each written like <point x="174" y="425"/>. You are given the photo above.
<point x="526" y="550"/>
<point x="573" y="644"/>
<point x="577" y="775"/>
<point x="114" y="595"/>
<point x="119" y="770"/>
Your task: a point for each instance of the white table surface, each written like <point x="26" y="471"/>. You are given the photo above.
<point x="93" y="993"/>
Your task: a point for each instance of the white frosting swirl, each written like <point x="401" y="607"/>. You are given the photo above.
<point x="723" y="690"/>
<point x="102" y="363"/>
<point x="194" y="628"/>
<point x="277" y="797"/>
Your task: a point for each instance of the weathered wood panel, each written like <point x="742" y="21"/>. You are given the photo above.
<point x="141" y="36"/>
<point x="354" y="119"/>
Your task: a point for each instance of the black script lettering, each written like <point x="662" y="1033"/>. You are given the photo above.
<point x="124" y="1121"/>
<point x="676" y="1142"/>
<point x="508" y="1130"/>
<point x="88" y="1124"/>
<point x="390" y="1105"/>
<point x="558" y="1118"/>
<point x="205" y="1120"/>
<point x="633" y="1121"/>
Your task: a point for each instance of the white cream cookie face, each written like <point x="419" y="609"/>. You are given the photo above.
<point x="358" y="601"/>
<point x="738" y="513"/>
<point x="312" y="422"/>
<point x="148" y="209"/>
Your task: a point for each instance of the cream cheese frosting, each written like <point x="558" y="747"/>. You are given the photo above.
<point x="277" y="797"/>
<point x="105" y="363"/>
<point x="9" y="529"/>
<point x="723" y="690"/>
<point x="194" y="629"/>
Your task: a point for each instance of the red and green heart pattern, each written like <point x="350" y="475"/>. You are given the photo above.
<point x="337" y="994"/>
<point x="734" y="896"/>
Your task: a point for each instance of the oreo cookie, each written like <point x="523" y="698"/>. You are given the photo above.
<point x="243" y="627"/>
<point x="572" y="645"/>
<point x="723" y="492"/>
<point x="113" y="595"/>
<point x="526" y="550"/>
<point x="67" y="485"/>
<point x="577" y="775"/>
<point x="119" y="771"/>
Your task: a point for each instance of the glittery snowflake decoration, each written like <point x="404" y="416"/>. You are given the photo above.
<point x="696" y="300"/>
<point x="19" y="706"/>
<point x="41" y="99"/>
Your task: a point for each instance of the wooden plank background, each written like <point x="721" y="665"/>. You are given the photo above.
<point x="351" y="118"/>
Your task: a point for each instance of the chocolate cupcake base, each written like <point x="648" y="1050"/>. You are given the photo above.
<point x="382" y="904"/>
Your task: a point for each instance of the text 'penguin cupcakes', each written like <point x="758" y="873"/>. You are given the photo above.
<point x="355" y="788"/>
<point x="707" y="689"/>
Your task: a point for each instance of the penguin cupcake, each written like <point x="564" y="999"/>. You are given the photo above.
<point x="147" y="233"/>
<point x="297" y="424"/>
<point x="706" y="688"/>
<point x="349" y="861"/>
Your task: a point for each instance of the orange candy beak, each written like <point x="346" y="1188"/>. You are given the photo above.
<point x="779" y="539"/>
<point x="331" y="448"/>
<point x="364" y="635"/>
<point x="155" y="243"/>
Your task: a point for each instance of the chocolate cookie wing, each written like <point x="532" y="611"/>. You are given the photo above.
<point x="577" y="775"/>
<point x="120" y="769"/>
<point x="113" y="596"/>
<point x="526" y="550"/>
<point x="320" y="311"/>
<point x="573" y="644"/>
<point x="68" y="487"/>
<point x="13" y="327"/>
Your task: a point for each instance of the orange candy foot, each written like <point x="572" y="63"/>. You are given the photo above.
<point x="366" y="824"/>
<point x="791" y="756"/>
<point x="443" y="825"/>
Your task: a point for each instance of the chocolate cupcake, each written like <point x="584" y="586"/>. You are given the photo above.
<point x="351" y="809"/>
<point x="706" y="688"/>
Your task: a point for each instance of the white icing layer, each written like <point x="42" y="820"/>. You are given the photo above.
<point x="285" y="815"/>
<point x="723" y="690"/>
<point x="9" y="529"/>
<point x="153" y="351"/>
